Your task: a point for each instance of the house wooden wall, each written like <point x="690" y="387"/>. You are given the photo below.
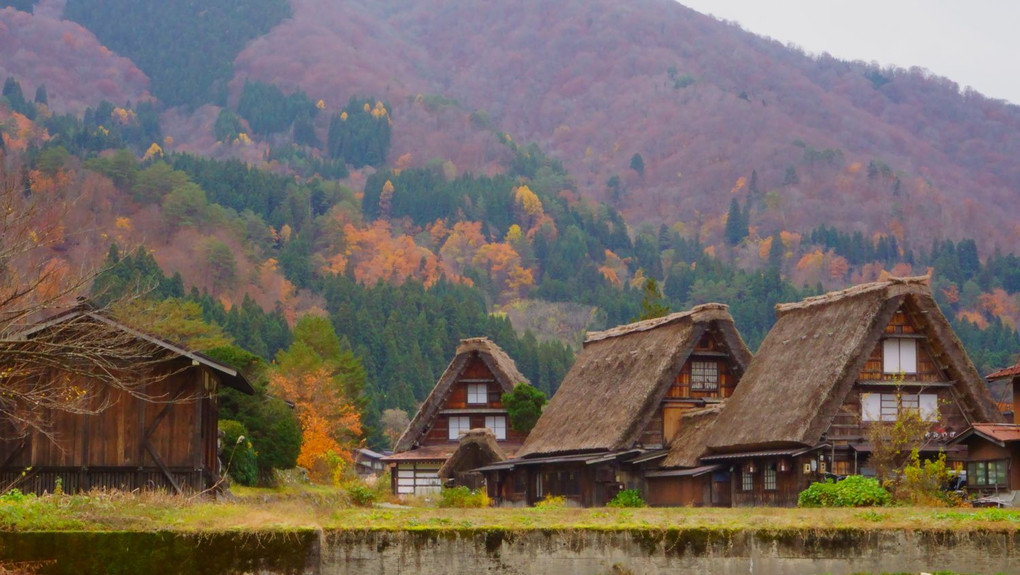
<point x="133" y="443"/>
<point x="680" y="491"/>
<point x="475" y="372"/>
<point x="681" y="398"/>
<point x="848" y="427"/>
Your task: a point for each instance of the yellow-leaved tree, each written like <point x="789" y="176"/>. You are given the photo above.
<point x="323" y="378"/>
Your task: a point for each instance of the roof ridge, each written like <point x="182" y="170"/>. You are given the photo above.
<point x="648" y="324"/>
<point x="861" y="289"/>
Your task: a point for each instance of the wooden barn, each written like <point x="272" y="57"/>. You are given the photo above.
<point x="831" y="367"/>
<point x="993" y="449"/>
<point x="160" y="433"/>
<point x="467" y="396"/>
<point x="621" y="404"/>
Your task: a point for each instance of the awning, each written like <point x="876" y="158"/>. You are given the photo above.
<point x="585" y="458"/>
<point x="692" y="472"/>
<point x="930" y="448"/>
<point x="770" y="453"/>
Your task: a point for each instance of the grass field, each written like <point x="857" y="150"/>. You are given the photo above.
<point x="311" y="507"/>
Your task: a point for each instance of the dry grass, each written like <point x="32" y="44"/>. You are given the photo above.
<point x="328" y="508"/>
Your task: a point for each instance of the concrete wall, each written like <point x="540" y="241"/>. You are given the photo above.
<point x="672" y="551"/>
<point x="472" y="551"/>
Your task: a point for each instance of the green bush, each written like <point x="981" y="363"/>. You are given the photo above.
<point x="462" y="497"/>
<point x="238" y="455"/>
<point x="854" y="491"/>
<point x="362" y="495"/>
<point x="15" y="496"/>
<point x="628" y="498"/>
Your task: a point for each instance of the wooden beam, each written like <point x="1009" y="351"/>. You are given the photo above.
<point x="162" y="467"/>
<point x="14" y="454"/>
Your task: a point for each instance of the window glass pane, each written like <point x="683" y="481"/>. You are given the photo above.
<point x="770" y="476"/>
<point x="890" y="356"/>
<point x="746" y="481"/>
<point x="908" y="355"/>
<point x="1000" y="472"/>
<point x="477" y="393"/>
<point x="871" y="406"/>
<point x="929" y="403"/>
<point x="459" y="424"/>
<point x="704" y="375"/>
<point x="497" y="423"/>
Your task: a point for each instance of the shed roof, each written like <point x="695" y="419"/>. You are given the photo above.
<point x="477" y="447"/>
<point x="811" y="357"/>
<point x="499" y="363"/>
<point x="621" y="376"/>
<point x="998" y="433"/>
<point x="84" y="312"/>
<point x="691" y="441"/>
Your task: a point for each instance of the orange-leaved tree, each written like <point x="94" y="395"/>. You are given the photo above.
<point x="324" y="379"/>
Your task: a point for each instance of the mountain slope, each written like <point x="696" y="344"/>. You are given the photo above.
<point x="703" y="103"/>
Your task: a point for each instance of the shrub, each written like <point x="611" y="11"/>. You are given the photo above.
<point x="922" y="482"/>
<point x="628" y="498"/>
<point x="854" y="491"/>
<point x="462" y="497"/>
<point x="552" y="502"/>
<point x="15" y="496"/>
<point x="362" y="495"/>
<point x="238" y="455"/>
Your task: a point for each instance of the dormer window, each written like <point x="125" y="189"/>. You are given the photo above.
<point x="478" y="394"/>
<point x="899" y="355"/>
<point x="705" y="375"/>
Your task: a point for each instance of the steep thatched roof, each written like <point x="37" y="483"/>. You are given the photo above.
<point x="499" y="363"/>
<point x="691" y="441"/>
<point x="621" y="376"/>
<point x="811" y="358"/>
<point x="478" y="447"/>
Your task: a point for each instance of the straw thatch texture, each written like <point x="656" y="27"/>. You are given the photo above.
<point x="499" y="363"/>
<point x="691" y="441"/>
<point x="810" y="360"/>
<point x="478" y="448"/>
<point x="621" y="376"/>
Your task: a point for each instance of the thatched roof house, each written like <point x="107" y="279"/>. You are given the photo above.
<point x="808" y="363"/>
<point x="503" y="370"/>
<point x="467" y="396"/>
<point x="621" y="377"/>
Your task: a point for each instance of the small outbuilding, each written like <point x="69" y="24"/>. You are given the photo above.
<point x="161" y="433"/>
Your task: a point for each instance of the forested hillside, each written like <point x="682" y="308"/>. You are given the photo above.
<point x="347" y="189"/>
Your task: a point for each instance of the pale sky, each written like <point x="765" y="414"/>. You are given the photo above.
<point x="975" y="43"/>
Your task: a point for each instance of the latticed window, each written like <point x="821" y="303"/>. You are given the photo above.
<point x="704" y="375"/>
<point x="746" y="481"/>
<point x="770" y="477"/>
<point x="988" y="473"/>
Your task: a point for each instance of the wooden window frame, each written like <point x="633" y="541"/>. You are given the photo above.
<point x="746" y="481"/>
<point x="473" y="394"/>
<point x="770" y="476"/>
<point x="491" y="422"/>
<point x="454" y="431"/>
<point x="704" y="375"/>
<point x="893" y="357"/>
<point x="979" y="473"/>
